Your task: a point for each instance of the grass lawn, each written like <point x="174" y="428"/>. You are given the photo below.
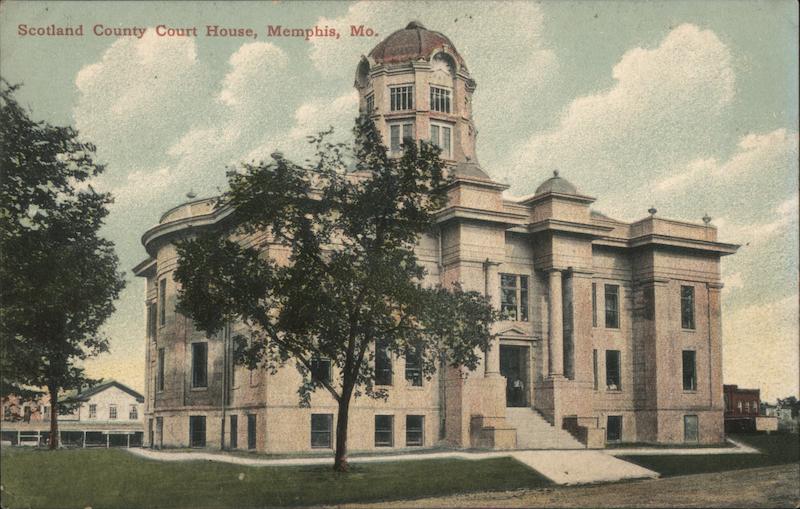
<point x="777" y="449"/>
<point x="106" y="478"/>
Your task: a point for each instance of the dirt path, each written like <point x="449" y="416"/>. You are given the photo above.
<point x="777" y="486"/>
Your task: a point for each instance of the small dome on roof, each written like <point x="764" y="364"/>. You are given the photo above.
<point x="412" y="43"/>
<point x="556" y="184"/>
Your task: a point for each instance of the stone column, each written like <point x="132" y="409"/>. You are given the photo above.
<point x="493" y="293"/>
<point x="556" y="329"/>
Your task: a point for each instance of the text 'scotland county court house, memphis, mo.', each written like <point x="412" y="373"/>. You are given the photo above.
<point x="611" y="331"/>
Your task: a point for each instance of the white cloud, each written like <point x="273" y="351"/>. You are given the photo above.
<point x="659" y="110"/>
<point x="783" y="216"/>
<point x="255" y="67"/>
<point x="760" y="344"/>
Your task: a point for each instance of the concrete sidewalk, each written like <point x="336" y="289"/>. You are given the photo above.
<point x="561" y="467"/>
<point x="739" y="448"/>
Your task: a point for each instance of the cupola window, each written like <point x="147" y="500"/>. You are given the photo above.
<point x="399" y="133"/>
<point x="441" y="136"/>
<point x="440" y="99"/>
<point x="401" y="98"/>
<point x="370" y="102"/>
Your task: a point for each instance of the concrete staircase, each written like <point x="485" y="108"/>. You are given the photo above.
<point x="534" y="432"/>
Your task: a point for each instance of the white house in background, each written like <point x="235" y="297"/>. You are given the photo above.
<point x="106" y="415"/>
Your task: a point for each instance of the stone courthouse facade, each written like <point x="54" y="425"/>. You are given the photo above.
<point x="611" y="331"/>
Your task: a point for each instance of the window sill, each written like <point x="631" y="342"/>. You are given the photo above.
<point x="198" y="389"/>
<point x="415" y="387"/>
<point x="690" y="391"/>
<point x="614" y="391"/>
<point x="689" y="330"/>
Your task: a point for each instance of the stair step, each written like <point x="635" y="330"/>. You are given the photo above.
<point x="534" y="432"/>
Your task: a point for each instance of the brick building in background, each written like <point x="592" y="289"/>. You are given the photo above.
<point x="611" y="331"/>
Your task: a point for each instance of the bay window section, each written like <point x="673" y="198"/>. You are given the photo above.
<point x="401" y="98"/>
<point x="399" y="134"/>
<point x="441" y="136"/>
<point x="440" y="99"/>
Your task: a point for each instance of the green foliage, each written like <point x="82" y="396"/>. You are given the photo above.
<point x="346" y="224"/>
<point x="58" y="278"/>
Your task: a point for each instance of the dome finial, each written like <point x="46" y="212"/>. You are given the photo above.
<point x="706" y="219"/>
<point x="555" y="173"/>
<point x="415" y="24"/>
<point x="652" y="211"/>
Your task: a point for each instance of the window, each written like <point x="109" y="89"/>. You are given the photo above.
<point x="233" y="441"/>
<point x="200" y="364"/>
<point x="400" y="134"/>
<point x="514" y="297"/>
<point x="384" y="430"/>
<point x="727" y="403"/>
<point x="92" y="411"/>
<point x="134" y="413"/>
<point x="594" y="304"/>
<point x="162" y="301"/>
<point x="687" y="307"/>
<point x="690" y="428"/>
<point x="441" y="136"/>
<point x="160" y="372"/>
<point x="401" y="98"/>
<point x="151" y="321"/>
<point x="197" y="431"/>
<point x="383" y="364"/>
<point x="321" y="431"/>
<point x="47" y="412"/>
<point x="594" y="368"/>
<point x="321" y="370"/>
<point x="414" y="367"/>
<point x="739" y="406"/>
<point x="614" y="428"/>
<point x="27" y="414"/>
<point x="613" y="378"/>
<point x="251" y="431"/>
<point x="440" y="99"/>
<point x="370" y="103"/>
<point x="112" y="411"/>
<point x="414" y="430"/>
<point x="689" y="370"/>
<point x="612" y="306"/>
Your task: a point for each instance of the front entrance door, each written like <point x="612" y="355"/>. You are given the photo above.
<point x="514" y="366"/>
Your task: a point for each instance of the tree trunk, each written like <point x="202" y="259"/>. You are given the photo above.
<point x="53" y="442"/>
<point x="340" y="462"/>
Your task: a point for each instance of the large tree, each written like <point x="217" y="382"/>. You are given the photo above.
<point x="350" y="218"/>
<point x="58" y="277"/>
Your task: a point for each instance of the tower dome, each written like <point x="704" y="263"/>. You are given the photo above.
<point x="413" y="42"/>
<point x="556" y="184"/>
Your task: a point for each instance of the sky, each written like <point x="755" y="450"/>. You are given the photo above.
<point x="689" y="107"/>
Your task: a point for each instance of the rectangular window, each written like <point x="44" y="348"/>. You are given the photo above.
<point x="691" y="429"/>
<point x="414" y="367"/>
<point x="162" y="302"/>
<point x="689" y="370"/>
<point x="613" y="378"/>
<point x="251" y="431"/>
<point x="133" y="414"/>
<point x="614" y="428"/>
<point x="401" y="98"/>
<point x="400" y="134"/>
<point x="414" y="430"/>
<point x="612" y="306"/>
<point x="594" y="304"/>
<point x="321" y="370"/>
<point x="370" y="100"/>
<point x="151" y="321"/>
<point x="441" y="136"/>
<point x="112" y="412"/>
<point x="47" y="412"/>
<point x="440" y="99"/>
<point x="321" y="431"/>
<point x="383" y="364"/>
<point x="514" y="297"/>
<point x="687" y="307"/>
<point x="160" y="371"/>
<point x="200" y="364"/>
<point x="594" y="368"/>
<point x="233" y="441"/>
<point x="384" y="430"/>
<point x="92" y="411"/>
<point x="197" y="431"/>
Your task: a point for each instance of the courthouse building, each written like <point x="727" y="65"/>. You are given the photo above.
<point x="610" y="331"/>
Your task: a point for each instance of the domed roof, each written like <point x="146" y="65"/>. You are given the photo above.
<point x="412" y="43"/>
<point x="556" y="184"/>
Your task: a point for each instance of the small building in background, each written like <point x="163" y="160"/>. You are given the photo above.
<point x="109" y="414"/>
<point x="742" y="406"/>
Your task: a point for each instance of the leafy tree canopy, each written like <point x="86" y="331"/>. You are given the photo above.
<point x="344" y="273"/>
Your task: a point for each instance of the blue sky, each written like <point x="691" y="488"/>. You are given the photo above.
<point x="690" y="107"/>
